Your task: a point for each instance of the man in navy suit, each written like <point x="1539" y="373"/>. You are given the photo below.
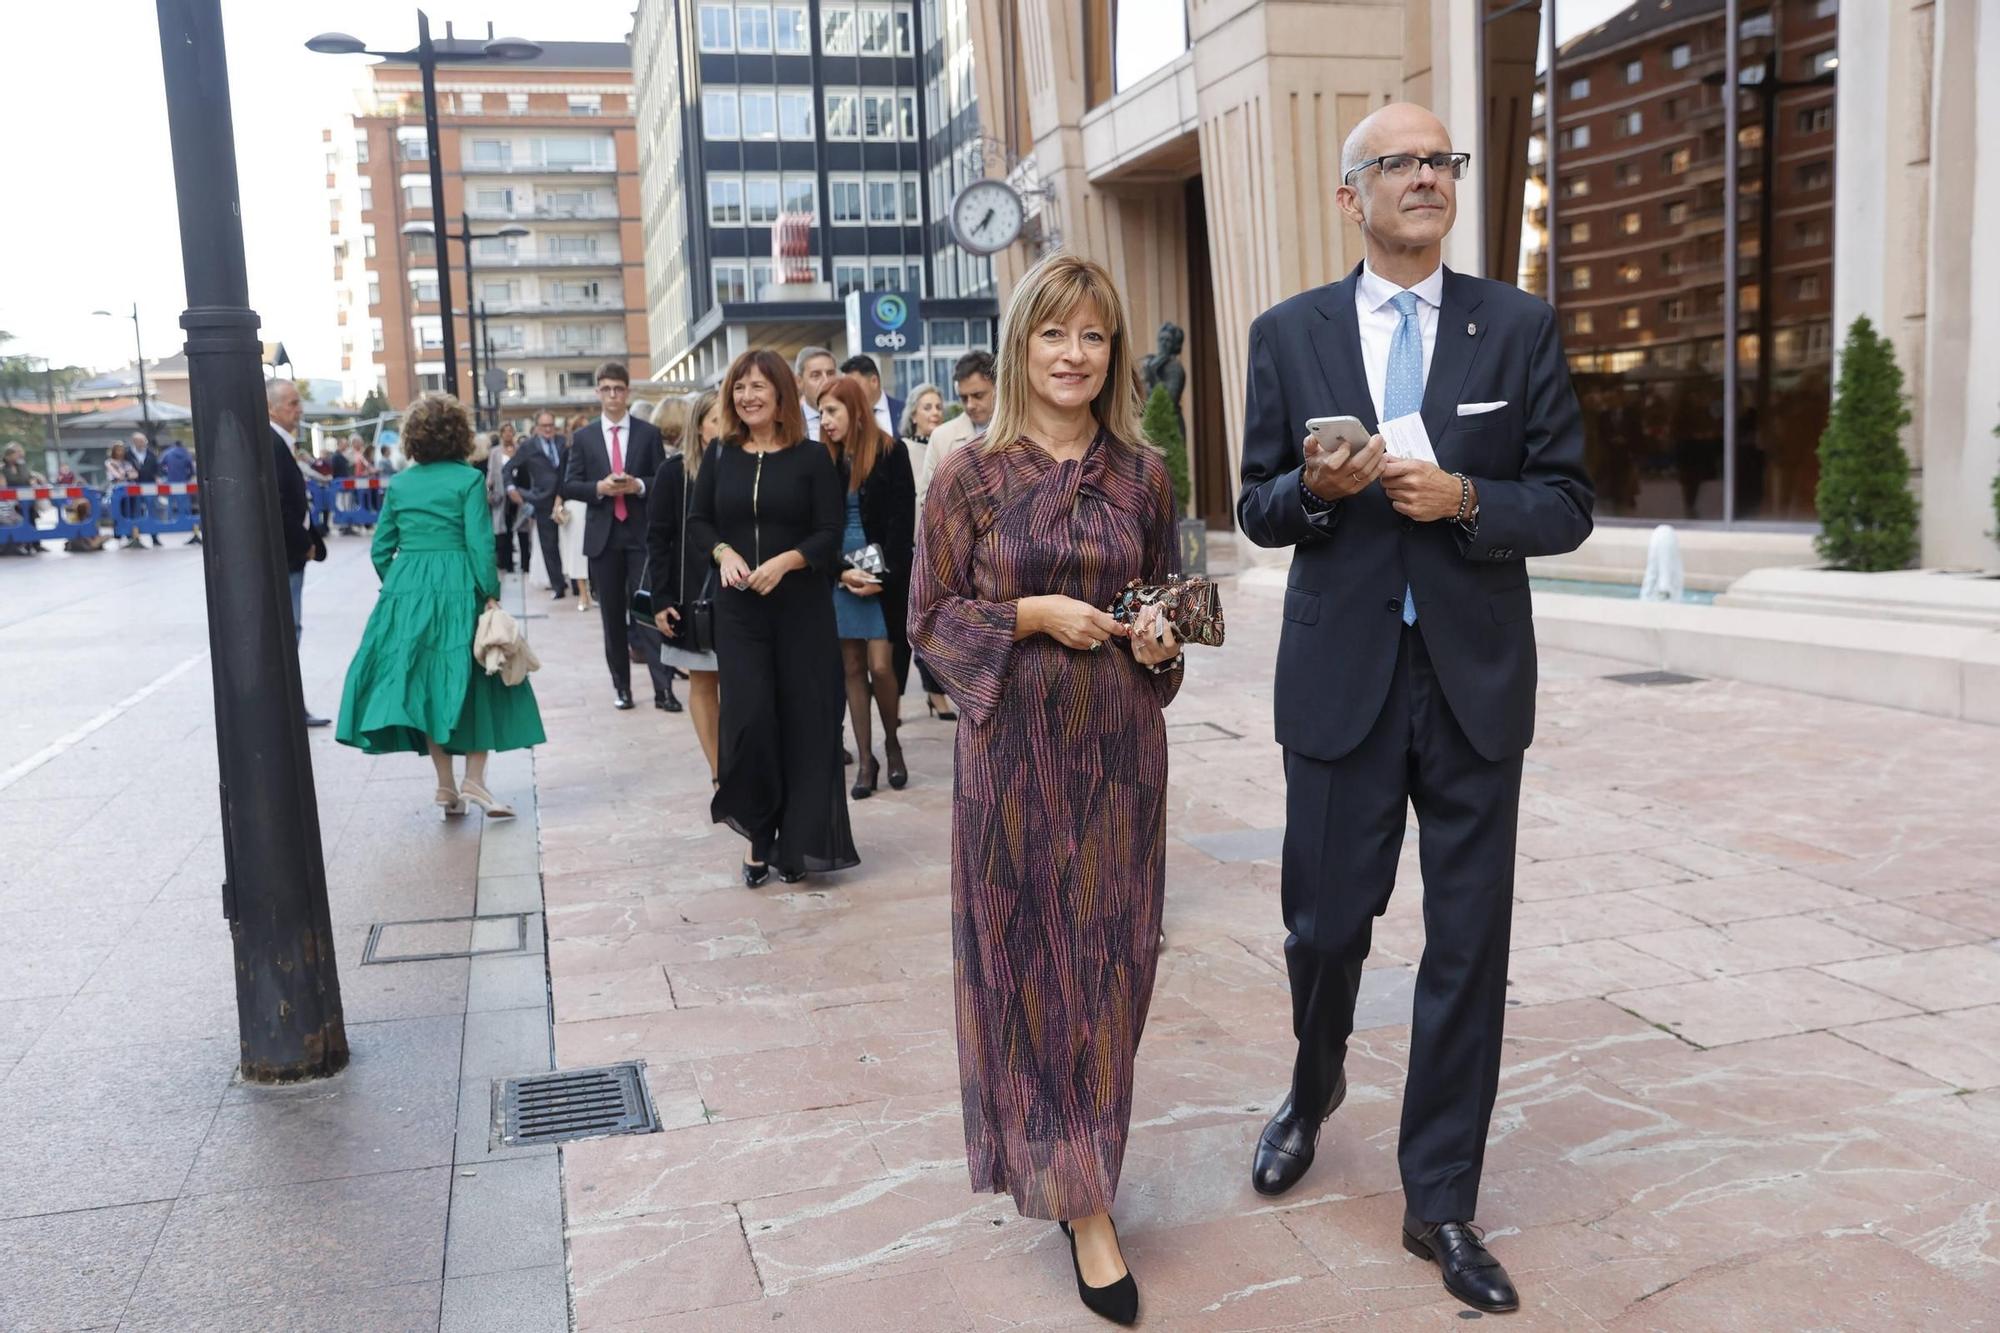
<point x="609" y="460"/>
<point x="535" y="478"/>
<point x="1406" y="667"/>
<point x="888" y="409"/>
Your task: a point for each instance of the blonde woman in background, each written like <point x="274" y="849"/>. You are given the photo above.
<point x="678" y="571"/>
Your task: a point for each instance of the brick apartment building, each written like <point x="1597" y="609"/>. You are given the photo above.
<point x="545" y="144"/>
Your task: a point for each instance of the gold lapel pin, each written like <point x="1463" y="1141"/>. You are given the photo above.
<point x="1472" y="329"/>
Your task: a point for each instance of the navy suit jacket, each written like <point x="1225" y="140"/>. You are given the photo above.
<point x="590" y="462"/>
<point x="293" y="505"/>
<point x="1344" y="595"/>
<point x="536" y="476"/>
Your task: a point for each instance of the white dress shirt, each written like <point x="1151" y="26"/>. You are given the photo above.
<point x="812" y="419"/>
<point x="1379" y="321"/>
<point x="882" y="417"/>
<point x="624" y="425"/>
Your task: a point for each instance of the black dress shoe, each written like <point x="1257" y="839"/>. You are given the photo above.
<point x="1285" y="1149"/>
<point x="622" y="701"/>
<point x="313" y="721"/>
<point x="754" y="874"/>
<point x="1118" y="1302"/>
<point x="667" y="703"/>
<point x="1471" y="1273"/>
<point x="791" y="876"/>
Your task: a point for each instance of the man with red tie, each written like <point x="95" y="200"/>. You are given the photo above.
<point x="608" y="460"/>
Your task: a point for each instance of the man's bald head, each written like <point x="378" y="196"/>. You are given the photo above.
<point x="138" y="438"/>
<point x="282" y="399"/>
<point x="1384" y="131"/>
<point x="1404" y="214"/>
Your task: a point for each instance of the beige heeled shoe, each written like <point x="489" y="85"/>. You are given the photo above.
<point x="485" y="800"/>
<point x="450" y="802"/>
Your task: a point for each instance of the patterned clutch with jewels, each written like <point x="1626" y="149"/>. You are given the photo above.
<point x="1192" y="605"/>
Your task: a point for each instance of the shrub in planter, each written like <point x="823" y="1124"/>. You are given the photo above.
<point x="1867" y="515"/>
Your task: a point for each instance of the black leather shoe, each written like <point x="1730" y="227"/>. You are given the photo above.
<point x="667" y="703"/>
<point x="1285" y="1149"/>
<point x="313" y="721"/>
<point x="791" y="876"/>
<point x="1118" y="1302"/>
<point x="754" y="874"/>
<point x="1471" y="1273"/>
<point x="623" y="701"/>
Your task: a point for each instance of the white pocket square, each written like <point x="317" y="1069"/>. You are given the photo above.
<point x="1479" y="409"/>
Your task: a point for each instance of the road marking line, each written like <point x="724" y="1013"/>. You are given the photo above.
<point x="104" y="719"/>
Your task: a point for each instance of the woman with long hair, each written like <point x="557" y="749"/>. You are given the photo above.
<point x="413" y="684"/>
<point x="767" y="510"/>
<point x="679" y="571"/>
<point x="923" y="413"/>
<point x="569" y="540"/>
<point x="871" y="613"/>
<point x="1059" y="812"/>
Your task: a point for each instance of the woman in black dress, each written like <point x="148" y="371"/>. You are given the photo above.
<point x="767" y="509"/>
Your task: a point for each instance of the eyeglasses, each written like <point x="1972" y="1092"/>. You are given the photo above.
<point x="1401" y="166"/>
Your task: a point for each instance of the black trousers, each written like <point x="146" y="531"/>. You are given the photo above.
<point x="614" y="576"/>
<point x="549" y="533"/>
<point x="526" y="541"/>
<point x="503" y="551"/>
<point x="1344" y="823"/>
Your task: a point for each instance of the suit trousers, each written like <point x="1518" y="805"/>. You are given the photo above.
<point x="549" y="533"/>
<point x="1344" y="822"/>
<point x="614" y="577"/>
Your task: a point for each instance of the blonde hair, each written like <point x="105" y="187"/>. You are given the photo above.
<point x="1051" y="292"/>
<point x="670" y="415"/>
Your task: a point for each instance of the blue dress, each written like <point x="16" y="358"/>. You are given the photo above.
<point x="856" y="617"/>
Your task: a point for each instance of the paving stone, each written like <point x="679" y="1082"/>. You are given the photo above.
<point x="505" y="1215"/>
<point x="505" y="1043"/>
<point x="75" y="1269"/>
<point x="529" y="1300"/>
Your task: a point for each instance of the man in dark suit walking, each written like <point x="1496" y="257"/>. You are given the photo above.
<point x="535" y="478"/>
<point x="1406" y="668"/>
<point x="608" y="460"/>
<point x="146" y="458"/>
<point x="285" y="407"/>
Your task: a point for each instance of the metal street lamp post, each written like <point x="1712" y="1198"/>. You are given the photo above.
<point x="427" y="55"/>
<point x="289" y="1018"/>
<point x="145" y="408"/>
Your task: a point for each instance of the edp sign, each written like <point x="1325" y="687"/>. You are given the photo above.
<point x="884" y="324"/>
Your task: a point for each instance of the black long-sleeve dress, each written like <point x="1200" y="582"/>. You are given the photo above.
<point x="778" y="656"/>
<point x="889" y="517"/>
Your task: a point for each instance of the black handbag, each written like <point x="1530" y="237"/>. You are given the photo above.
<point x="695" y="628"/>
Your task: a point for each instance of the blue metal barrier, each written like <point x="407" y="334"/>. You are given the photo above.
<point x="20" y="503"/>
<point x="136" y="509"/>
<point x="348" y="502"/>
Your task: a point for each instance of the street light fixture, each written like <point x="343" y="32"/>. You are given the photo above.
<point x="465" y="236"/>
<point x="145" y="408"/>
<point x="427" y="55"/>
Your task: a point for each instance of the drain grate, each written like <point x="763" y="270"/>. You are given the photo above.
<point x="1654" y="678"/>
<point x="574" y="1104"/>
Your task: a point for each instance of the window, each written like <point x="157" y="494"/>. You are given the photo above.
<point x="795" y="115"/>
<point x="1579" y="277"/>
<point x="1674" y="309"/>
<point x="517" y="104"/>
<point x="1628" y="223"/>
<point x="1749" y="297"/>
<point x="423" y="245"/>
<point x="1806" y="287"/>
<point x="1676" y="160"/>
<point x="878" y="116"/>
<point x="837" y="30"/>
<point x="360" y="148"/>
<point x="586" y="104"/>
<point x="760" y="199"/>
<point x="1673" y="263"/>
<point x="760" y="114"/>
<point x="1627" y="174"/>
<point x="876" y="39"/>
<point x="1674" y="212"/>
<point x="801" y="195"/>
<point x="576" y="381"/>
<point x="1681" y="56"/>
<point x="753" y="28"/>
<point x="1804" y="234"/>
<point x="733" y="281"/>
<point x="367" y="198"/>
<point x="718" y="114"/>
<point x="492" y="152"/>
<point x="905" y="41"/>
<point x="1628" y="318"/>
<point x="762" y="274"/>
<point x="374" y="291"/>
<point x="1825" y="62"/>
<point x="843" y="115"/>
<point x="417" y="196"/>
<point x="1634" y="71"/>
<point x="1576" y="233"/>
<point x="913" y="212"/>
<point x="849" y="278"/>
<point x="882" y="196"/>
<point x="1815" y="119"/>
<point x="1756" y="25"/>
<point x="577" y="291"/>
<point x="725" y="200"/>
<point x="885" y="277"/>
<point x="913" y="278"/>
<point x="375" y="333"/>
<point x="1575" y="187"/>
<point x="791" y="30"/>
<point x="1825" y="9"/>
<point x="1629" y="273"/>
<point x="1581" y="322"/>
<point x="1577" y="136"/>
<point x="906" y="116"/>
<point x="1629" y="124"/>
<point x="497" y="291"/>
<point x="1815" y="175"/>
<point x="572" y="246"/>
<point x="1579" y="89"/>
<point x="368" y="246"/>
<point x="843" y="196"/>
<point x="412" y="146"/>
<point x="424" y="285"/>
<point x="716" y="28"/>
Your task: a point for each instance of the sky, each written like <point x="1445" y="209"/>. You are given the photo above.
<point x="91" y="221"/>
<point x="92" y="224"/>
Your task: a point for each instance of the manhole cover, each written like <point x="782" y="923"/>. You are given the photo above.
<point x="1653" y="678"/>
<point x="574" y="1104"/>
<point x="445" y="937"/>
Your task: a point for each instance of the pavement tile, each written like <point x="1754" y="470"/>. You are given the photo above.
<point x="519" y="982"/>
<point x="528" y="1300"/>
<point x="1758" y="945"/>
<point x="508" y="1043"/>
<point x="1748" y="896"/>
<point x="581" y="955"/>
<point x="98" y="1019"/>
<point x="297" y="1243"/>
<point x="409" y="1307"/>
<point x="1976" y="910"/>
<point x="683" y="1034"/>
<point x="659" y="1264"/>
<point x="75" y="1269"/>
<point x="1720" y="1010"/>
<point x="1594" y="916"/>
<point x="1956" y="978"/>
<point x="23" y="1021"/>
<point x="905" y="1302"/>
<point x="1962" y="1048"/>
<point x="1901" y="928"/>
<point x="130" y="1081"/>
<point x="55" y="1161"/>
<point x="830" y="1073"/>
<point x="1558" y="972"/>
<point x="33" y="974"/>
<point x="505" y="1216"/>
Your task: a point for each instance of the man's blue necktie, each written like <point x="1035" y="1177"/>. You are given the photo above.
<point x="1403" y="389"/>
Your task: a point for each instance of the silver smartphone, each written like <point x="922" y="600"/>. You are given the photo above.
<point x="1332" y="430"/>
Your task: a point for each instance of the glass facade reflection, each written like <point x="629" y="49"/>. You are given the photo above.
<point x="1607" y="193"/>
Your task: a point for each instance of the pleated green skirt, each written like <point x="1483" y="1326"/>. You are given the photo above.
<point x="414" y="677"/>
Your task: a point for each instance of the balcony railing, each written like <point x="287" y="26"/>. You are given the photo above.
<point x="546" y="261"/>
<point x="511" y="168"/>
<point x="552" y="307"/>
<point x="545" y="212"/>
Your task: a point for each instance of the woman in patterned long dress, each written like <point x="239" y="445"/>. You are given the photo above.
<point x="1059" y="808"/>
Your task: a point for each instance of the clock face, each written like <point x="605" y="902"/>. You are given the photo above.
<point x="986" y="217"/>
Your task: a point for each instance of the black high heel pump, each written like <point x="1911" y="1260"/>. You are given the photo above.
<point x="1118" y="1302"/>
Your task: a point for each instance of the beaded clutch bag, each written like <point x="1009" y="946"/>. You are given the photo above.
<point x="1193" y="605"/>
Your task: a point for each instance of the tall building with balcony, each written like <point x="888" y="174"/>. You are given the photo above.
<point x="545" y="146"/>
<point x="787" y="157"/>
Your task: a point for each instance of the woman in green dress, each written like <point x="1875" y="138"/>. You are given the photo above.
<point x="413" y="685"/>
